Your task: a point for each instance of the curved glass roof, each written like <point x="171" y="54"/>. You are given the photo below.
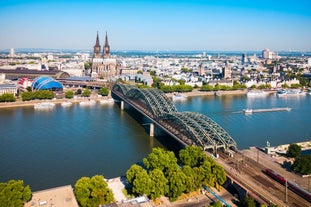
<point x="46" y="83"/>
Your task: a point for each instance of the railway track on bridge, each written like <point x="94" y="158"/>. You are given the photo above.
<point x="249" y="174"/>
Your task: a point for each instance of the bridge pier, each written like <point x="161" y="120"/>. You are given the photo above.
<point x="151" y="130"/>
<point x="122" y="105"/>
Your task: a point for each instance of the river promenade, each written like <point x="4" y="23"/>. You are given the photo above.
<point x="194" y="93"/>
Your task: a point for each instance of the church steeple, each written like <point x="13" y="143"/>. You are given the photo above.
<point x="96" y="53"/>
<point x="106" y="47"/>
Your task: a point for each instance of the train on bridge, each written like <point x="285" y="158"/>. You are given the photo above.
<point x="293" y="186"/>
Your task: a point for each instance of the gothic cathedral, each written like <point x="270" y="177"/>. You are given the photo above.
<point x="103" y="66"/>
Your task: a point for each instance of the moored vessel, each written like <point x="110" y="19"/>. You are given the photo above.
<point x="256" y="94"/>
<point x="44" y="106"/>
<point x="179" y="96"/>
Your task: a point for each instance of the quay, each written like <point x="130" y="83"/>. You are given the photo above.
<point x="250" y="111"/>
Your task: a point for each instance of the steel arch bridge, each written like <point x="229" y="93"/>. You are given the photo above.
<point x="189" y="127"/>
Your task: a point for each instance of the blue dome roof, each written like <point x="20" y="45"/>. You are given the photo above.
<point x="46" y="83"/>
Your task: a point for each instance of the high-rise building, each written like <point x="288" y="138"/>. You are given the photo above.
<point x="267" y="54"/>
<point x="309" y="61"/>
<point x="103" y="66"/>
<point x="244" y="59"/>
<point x="12" y="53"/>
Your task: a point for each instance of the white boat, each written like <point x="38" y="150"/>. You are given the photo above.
<point x="66" y="104"/>
<point x="88" y="103"/>
<point x="257" y="94"/>
<point x="248" y="111"/>
<point x="309" y="91"/>
<point x="290" y="92"/>
<point x="44" y="106"/>
<point x="179" y="96"/>
<point x="107" y="101"/>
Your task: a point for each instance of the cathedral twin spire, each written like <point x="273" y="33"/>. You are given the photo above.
<point x="106" y="48"/>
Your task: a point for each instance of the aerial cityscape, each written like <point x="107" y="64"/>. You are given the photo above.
<point x="155" y="103"/>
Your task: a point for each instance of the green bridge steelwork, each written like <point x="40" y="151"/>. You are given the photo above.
<point x="189" y="127"/>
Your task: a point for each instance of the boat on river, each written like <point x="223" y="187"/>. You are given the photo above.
<point x="257" y="93"/>
<point x="250" y="111"/>
<point x="44" y="106"/>
<point x="179" y="96"/>
<point x="66" y="104"/>
<point x="290" y="92"/>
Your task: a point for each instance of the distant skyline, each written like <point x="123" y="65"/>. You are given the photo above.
<point x="222" y="25"/>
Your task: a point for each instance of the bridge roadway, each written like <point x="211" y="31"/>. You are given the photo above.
<point x="249" y="175"/>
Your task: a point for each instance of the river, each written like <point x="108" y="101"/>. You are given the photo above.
<point x="52" y="148"/>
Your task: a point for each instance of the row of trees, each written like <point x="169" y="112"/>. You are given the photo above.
<point x="7" y="97"/>
<point x="104" y="91"/>
<point x="31" y="95"/>
<point x="163" y="174"/>
<point x="14" y="193"/>
<point x="217" y="87"/>
<point x="176" y="88"/>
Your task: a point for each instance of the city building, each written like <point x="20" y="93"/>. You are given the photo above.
<point x="267" y="54"/>
<point x="8" y="88"/>
<point x="227" y="71"/>
<point x="12" y="53"/>
<point x="46" y="83"/>
<point x="103" y="65"/>
<point x="244" y="59"/>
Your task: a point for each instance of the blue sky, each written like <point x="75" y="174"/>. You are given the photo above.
<point x="157" y="25"/>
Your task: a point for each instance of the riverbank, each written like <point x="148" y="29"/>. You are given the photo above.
<point x="193" y="93"/>
<point x="55" y="101"/>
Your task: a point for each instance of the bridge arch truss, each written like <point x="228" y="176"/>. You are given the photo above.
<point x="190" y="127"/>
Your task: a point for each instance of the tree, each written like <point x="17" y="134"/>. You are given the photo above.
<point x="177" y="183"/>
<point x="87" y="65"/>
<point x="192" y="156"/>
<point x="192" y="179"/>
<point x="294" y="150"/>
<point x="159" y="184"/>
<point x="152" y="73"/>
<point x="302" y="164"/>
<point x="14" y="193"/>
<point x="207" y="88"/>
<point x="79" y="91"/>
<point x="86" y="93"/>
<point x="248" y="202"/>
<point x="69" y="94"/>
<point x="91" y="192"/>
<point x="216" y="204"/>
<point x="27" y="96"/>
<point x="29" y="88"/>
<point x="104" y="91"/>
<point x="132" y="172"/>
<point x="6" y="97"/>
<point x="142" y="183"/>
<point x="160" y="159"/>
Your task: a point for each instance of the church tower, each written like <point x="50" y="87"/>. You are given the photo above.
<point x="97" y="48"/>
<point x="103" y="66"/>
<point x="106" y="48"/>
<point x="227" y="71"/>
